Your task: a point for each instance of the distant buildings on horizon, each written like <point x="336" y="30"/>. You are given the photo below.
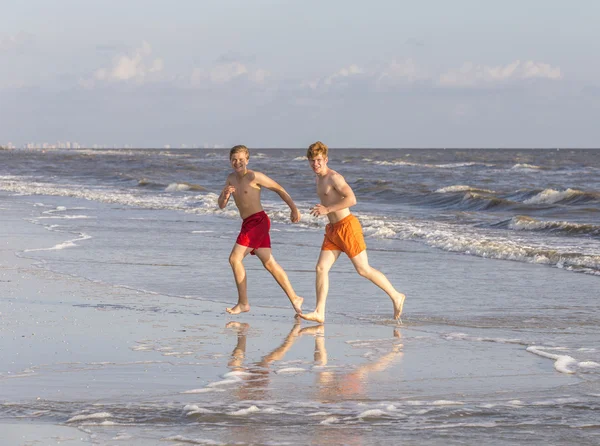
<point x="76" y="145"/>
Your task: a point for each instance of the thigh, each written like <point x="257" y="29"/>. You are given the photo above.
<point x="360" y="261"/>
<point x="264" y="254"/>
<point x="240" y="251"/>
<point x="327" y="258"/>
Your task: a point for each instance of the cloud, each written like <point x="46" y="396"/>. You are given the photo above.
<point x="134" y="67"/>
<point x="341" y="78"/>
<point x="225" y="72"/>
<point x="379" y="77"/>
<point x="16" y="42"/>
<point x="472" y="75"/>
<point x="406" y="71"/>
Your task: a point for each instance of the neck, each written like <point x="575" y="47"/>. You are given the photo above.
<point x="242" y="173"/>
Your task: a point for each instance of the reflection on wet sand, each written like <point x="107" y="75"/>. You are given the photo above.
<point x="331" y="385"/>
<point x="255" y="385"/>
<point x="334" y="386"/>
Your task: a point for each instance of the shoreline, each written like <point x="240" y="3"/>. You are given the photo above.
<point x="84" y="348"/>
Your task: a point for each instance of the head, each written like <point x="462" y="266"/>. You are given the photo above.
<point x="317" y="157"/>
<point x="239" y="157"/>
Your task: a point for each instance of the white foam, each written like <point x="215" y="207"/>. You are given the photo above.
<point x="291" y="370"/>
<point x="329" y="420"/>
<point x="182" y="439"/>
<point x="550" y="196"/>
<point x="525" y="166"/>
<point x="373" y="413"/>
<point x="93" y="416"/>
<point x="242" y="412"/>
<point x="460" y="188"/>
<point x="193" y="409"/>
<point x="65" y="217"/>
<point x="64" y="245"/>
<point x="204" y="390"/>
<point x="562" y="363"/>
<point x="447" y="403"/>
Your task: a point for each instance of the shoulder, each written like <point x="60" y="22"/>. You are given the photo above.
<point x="230" y="177"/>
<point x="336" y="177"/>
<point x="255" y="175"/>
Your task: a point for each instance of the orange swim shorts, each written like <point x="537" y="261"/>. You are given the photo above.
<point x="346" y="235"/>
<point x="255" y="232"/>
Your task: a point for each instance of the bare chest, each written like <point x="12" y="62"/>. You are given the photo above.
<point x="245" y="189"/>
<point x="326" y="192"/>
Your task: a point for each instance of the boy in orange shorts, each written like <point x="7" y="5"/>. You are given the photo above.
<point x="342" y="234"/>
<point x="246" y="185"/>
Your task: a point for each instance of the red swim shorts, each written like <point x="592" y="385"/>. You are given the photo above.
<point x="346" y="235"/>
<point x="255" y="232"/>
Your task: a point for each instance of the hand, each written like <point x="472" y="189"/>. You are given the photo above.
<point x="228" y="190"/>
<point x="319" y="210"/>
<point x="295" y="215"/>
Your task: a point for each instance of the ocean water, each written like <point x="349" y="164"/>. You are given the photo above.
<point x="498" y="252"/>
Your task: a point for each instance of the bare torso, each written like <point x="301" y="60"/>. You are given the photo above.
<point x="330" y="196"/>
<point x="247" y="193"/>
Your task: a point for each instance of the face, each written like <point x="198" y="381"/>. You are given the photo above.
<point x="239" y="161"/>
<point x="318" y="164"/>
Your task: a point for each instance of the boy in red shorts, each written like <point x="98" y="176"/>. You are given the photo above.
<point x="246" y="185"/>
<point x="342" y="234"/>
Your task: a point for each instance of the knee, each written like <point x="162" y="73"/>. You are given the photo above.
<point x="322" y="269"/>
<point x="270" y="264"/>
<point x="234" y="260"/>
<point x="363" y="271"/>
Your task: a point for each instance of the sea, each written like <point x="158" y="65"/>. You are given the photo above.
<point x="497" y="250"/>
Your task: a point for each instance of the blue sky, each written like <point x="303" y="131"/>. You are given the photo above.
<point x="266" y="73"/>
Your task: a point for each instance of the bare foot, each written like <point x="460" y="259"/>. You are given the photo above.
<point x="398" y="305"/>
<point x="314" y="316"/>
<point x="239" y="308"/>
<point x="297" y="304"/>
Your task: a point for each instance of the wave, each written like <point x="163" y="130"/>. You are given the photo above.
<point x="568" y="196"/>
<point x="449" y="237"/>
<point x="429" y="166"/>
<point x="525" y="223"/>
<point x="478" y="242"/>
<point x="178" y="187"/>
<point x="468" y="198"/>
<point x="461" y="188"/>
<point x="525" y="166"/>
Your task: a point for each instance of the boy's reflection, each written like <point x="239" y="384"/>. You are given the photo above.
<point x="331" y="385"/>
<point x="335" y="386"/>
<point x="255" y="385"/>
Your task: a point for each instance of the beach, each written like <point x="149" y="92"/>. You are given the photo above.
<point x="114" y="331"/>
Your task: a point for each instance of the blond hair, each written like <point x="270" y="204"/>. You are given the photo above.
<point x="239" y="148"/>
<point x="316" y="149"/>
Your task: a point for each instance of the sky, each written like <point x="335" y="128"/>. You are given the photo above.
<point x="268" y="73"/>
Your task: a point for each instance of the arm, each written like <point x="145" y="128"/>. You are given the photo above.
<point x="348" y="198"/>
<point x="264" y="181"/>
<point x="225" y="194"/>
